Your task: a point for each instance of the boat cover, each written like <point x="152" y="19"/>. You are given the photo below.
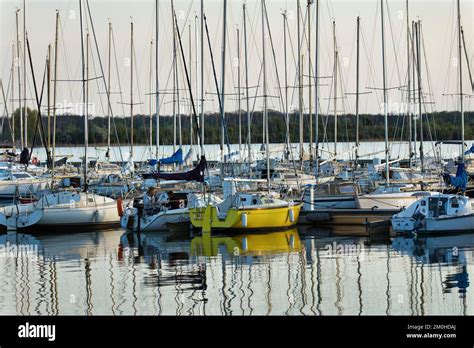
<point x="460" y="180"/>
<point x="177" y="157"/>
<point x="197" y="174"/>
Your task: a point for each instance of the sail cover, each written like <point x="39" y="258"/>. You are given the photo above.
<point x="471" y="150"/>
<point x="197" y="174"/>
<point x="460" y="180"/>
<point x="177" y="157"/>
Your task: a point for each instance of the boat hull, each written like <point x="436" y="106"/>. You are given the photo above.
<point x="19" y="216"/>
<point x="386" y="201"/>
<point x="157" y="222"/>
<point x="8" y="189"/>
<point x="448" y="224"/>
<point x="208" y="218"/>
<point x="79" y="211"/>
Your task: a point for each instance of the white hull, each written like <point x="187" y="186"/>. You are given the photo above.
<point x="8" y="189"/>
<point x="74" y="209"/>
<point x="157" y="222"/>
<point x="332" y="202"/>
<point x="428" y="225"/>
<point x="389" y="201"/>
<point x="20" y="216"/>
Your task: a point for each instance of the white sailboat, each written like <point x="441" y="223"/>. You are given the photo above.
<point x="20" y="183"/>
<point x="394" y="197"/>
<point x="169" y="212"/>
<point x="72" y="209"/>
<point x="446" y="213"/>
<point x="437" y="214"/>
<point x="19" y="216"/>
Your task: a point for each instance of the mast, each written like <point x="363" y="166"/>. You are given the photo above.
<point x="410" y="131"/>
<point x="265" y="114"/>
<point x="224" y="31"/>
<point x="151" y="100"/>
<point x="310" y="106"/>
<point x="86" y="139"/>
<point x="287" y="120"/>
<point x="174" y="78"/>
<point x="13" y="97"/>
<point x="25" y="111"/>
<point x="196" y="74"/>
<point x="335" y="87"/>
<point x="131" y="89"/>
<point x="357" y="91"/>
<point x="86" y="105"/>
<point x="300" y="85"/>
<point x="190" y="79"/>
<point x="460" y="79"/>
<point x="385" y="109"/>
<point x="17" y="62"/>
<point x="249" y="140"/>
<point x="55" y="90"/>
<point x="48" y="90"/>
<point x="178" y="103"/>
<point x="415" y="133"/>
<point x="157" y="85"/>
<point x="108" y="90"/>
<point x="202" y="78"/>
<point x="316" y="91"/>
<point x="238" y="89"/>
<point x="420" y="97"/>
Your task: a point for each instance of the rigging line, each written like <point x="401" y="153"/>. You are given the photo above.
<point x="196" y="124"/>
<point x="120" y="89"/>
<point x="274" y="57"/>
<point x="370" y="59"/>
<point x="393" y="43"/>
<point x="38" y="102"/>
<point x="342" y="87"/>
<point x="97" y="83"/>
<point x="5" y="100"/>
<point x="276" y="68"/>
<point x="140" y="103"/>
<point x="443" y="57"/>
<point x="63" y="48"/>
<point x="7" y="53"/>
<point x="430" y="89"/>
<point x="103" y="74"/>
<point x="345" y="104"/>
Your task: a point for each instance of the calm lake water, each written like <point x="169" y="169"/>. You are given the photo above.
<point x="143" y="153"/>
<point x="296" y="272"/>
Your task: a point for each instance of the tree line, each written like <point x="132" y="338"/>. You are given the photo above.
<point x="70" y="128"/>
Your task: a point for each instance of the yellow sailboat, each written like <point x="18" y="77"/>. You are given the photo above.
<point x="247" y="244"/>
<point x="246" y="211"/>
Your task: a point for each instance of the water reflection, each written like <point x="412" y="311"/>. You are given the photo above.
<point x="453" y="252"/>
<point x="294" y="272"/>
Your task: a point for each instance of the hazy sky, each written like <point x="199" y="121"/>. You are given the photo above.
<point x="439" y="72"/>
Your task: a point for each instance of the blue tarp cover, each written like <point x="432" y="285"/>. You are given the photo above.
<point x="177" y="157"/>
<point x="460" y="180"/>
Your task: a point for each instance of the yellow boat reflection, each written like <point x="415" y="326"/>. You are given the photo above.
<point x="247" y="244"/>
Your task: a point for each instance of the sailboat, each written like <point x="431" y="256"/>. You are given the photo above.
<point x="443" y="213"/>
<point x="246" y="211"/>
<point x="71" y="208"/>
<point x="13" y="182"/>
<point x="18" y="216"/>
<point x="242" y="210"/>
<point x="439" y="213"/>
<point x="171" y="211"/>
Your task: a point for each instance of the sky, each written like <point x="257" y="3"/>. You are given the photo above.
<point x="439" y="71"/>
